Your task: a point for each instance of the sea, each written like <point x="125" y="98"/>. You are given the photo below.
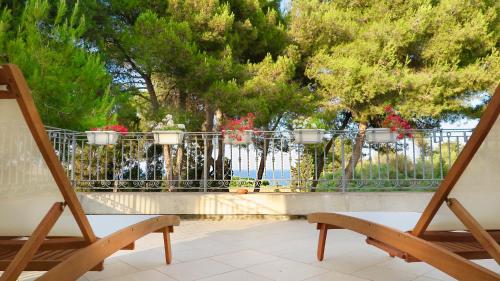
<point x="281" y="177"/>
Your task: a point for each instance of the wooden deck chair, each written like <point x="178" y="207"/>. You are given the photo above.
<point x="461" y="221"/>
<point x="42" y="224"/>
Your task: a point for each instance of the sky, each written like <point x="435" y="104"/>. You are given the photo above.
<point x="460" y="124"/>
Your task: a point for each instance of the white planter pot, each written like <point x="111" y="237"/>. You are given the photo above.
<point x="308" y="136"/>
<point x="380" y="135"/>
<point x="168" y="137"/>
<point x="102" y="137"/>
<point x="245" y="137"/>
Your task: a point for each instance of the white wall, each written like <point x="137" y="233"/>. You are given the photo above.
<point x="250" y="204"/>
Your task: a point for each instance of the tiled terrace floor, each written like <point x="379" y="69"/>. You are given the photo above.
<point x="254" y="250"/>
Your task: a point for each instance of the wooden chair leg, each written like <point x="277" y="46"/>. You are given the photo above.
<point x="168" y="246"/>
<point x="323" y="229"/>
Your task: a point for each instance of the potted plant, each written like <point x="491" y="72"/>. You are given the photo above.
<point x="394" y="128"/>
<point x="167" y="132"/>
<point x="106" y="135"/>
<point x="239" y="131"/>
<point x="306" y="131"/>
<point x="242" y="191"/>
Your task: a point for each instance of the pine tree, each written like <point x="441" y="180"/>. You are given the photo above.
<point x="425" y="58"/>
<point x="70" y="85"/>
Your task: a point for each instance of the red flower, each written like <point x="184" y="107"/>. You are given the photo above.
<point x="117" y="128"/>
<point x="239" y="125"/>
<point x="396" y="123"/>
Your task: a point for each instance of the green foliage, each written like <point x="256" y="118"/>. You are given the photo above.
<point x="239" y="182"/>
<point x="387" y="169"/>
<point x="70" y="85"/>
<point x="183" y="55"/>
<point x="303" y="172"/>
<point x="425" y="57"/>
<point x="270" y="92"/>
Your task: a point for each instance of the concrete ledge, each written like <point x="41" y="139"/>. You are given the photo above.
<point x="191" y="203"/>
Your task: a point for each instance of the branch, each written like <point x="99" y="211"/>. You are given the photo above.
<point x="128" y="58"/>
<point x="141" y="96"/>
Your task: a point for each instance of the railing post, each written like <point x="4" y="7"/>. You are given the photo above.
<point x="205" y="162"/>
<point x="73" y="156"/>
<point x="342" y="156"/>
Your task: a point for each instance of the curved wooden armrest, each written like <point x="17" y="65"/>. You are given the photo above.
<point x="442" y="259"/>
<point x="87" y="258"/>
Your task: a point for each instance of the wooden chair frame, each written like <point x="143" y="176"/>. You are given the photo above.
<point x="65" y="258"/>
<point x="447" y="251"/>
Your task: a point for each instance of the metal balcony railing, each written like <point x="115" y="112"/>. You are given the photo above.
<point x="273" y="162"/>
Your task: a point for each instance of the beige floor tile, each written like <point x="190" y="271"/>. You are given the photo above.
<point x="335" y="276"/>
<point x="423" y="278"/>
<point x="117" y="268"/>
<point x="436" y="274"/>
<point x="144" y="260"/>
<point x="195" y="270"/>
<point x="302" y="256"/>
<point x="378" y="273"/>
<point x="237" y="275"/>
<point x="286" y="270"/>
<point x="353" y="261"/>
<point x="489" y="264"/>
<point x="191" y="255"/>
<point x="148" y="275"/>
<point x="245" y="258"/>
<point x="28" y="275"/>
<point x="417" y="268"/>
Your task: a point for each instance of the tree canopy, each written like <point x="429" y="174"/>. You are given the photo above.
<point x="427" y="58"/>
<point x="93" y="62"/>
<point x="70" y="85"/>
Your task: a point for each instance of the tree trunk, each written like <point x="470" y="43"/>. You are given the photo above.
<point x="262" y="166"/>
<point x="179" y="161"/>
<point x="356" y="153"/>
<point x="169" y="173"/>
<point x="208" y="126"/>
<point x="153" y="98"/>
<point x="220" y="153"/>
<point x="262" y="162"/>
<point x="321" y="161"/>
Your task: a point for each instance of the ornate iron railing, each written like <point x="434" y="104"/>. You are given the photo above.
<point x="204" y="162"/>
